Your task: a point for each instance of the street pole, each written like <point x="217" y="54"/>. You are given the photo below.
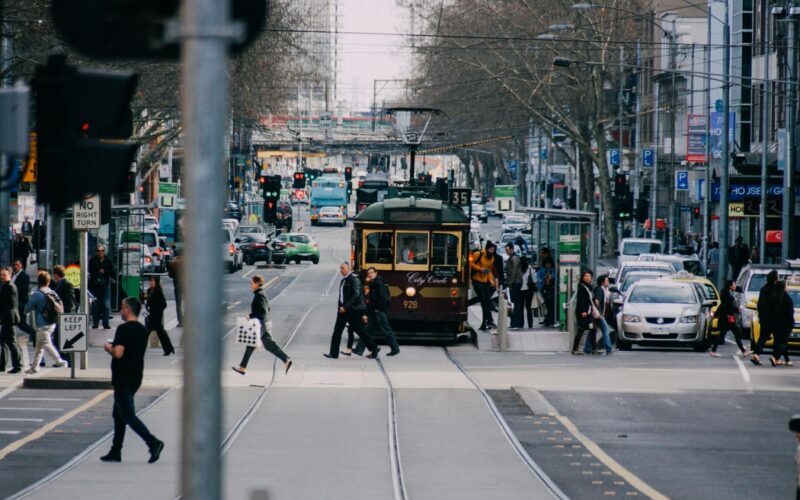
<point x="205" y="30"/>
<point x="787" y="217"/>
<point x="83" y="248"/>
<point x="638" y="160"/>
<point x="654" y="188"/>
<point x="724" y="176"/>
<point x="672" y="111"/>
<point x="707" y="181"/>
<point x="765" y="132"/>
<point x="620" y="131"/>
<point x="5" y="196"/>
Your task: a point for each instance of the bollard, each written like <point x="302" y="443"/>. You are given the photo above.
<point x="502" y="321"/>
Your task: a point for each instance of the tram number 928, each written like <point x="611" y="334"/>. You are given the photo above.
<point x="410" y="305"/>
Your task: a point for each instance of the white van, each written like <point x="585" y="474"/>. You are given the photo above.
<point x="631" y="248"/>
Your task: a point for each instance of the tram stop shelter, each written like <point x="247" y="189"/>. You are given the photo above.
<point x="573" y="239"/>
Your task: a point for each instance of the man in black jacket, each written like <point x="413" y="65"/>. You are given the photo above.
<point x="377" y="303"/>
<point x="9" y="316"/>
<point x="351" y="310"/>
<point x="156" y="304"/>
<point x="766" y="315"/>
<point x="101" y="269"/>
<point x="22" y="281"/>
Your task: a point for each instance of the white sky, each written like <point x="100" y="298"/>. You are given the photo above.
<point x="364" y="59"/>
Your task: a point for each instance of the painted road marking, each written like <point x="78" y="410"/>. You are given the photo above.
<point x="745" y="374"/>
<point x="44" y="399"/>
<point x="30" y="409"/>
<point x="609" y="462"/>
<point x="10" y="389"/>
<point x="21" y="420"/>
<point x="9" y="433"/>
<point x="245" y="275"/>
<point x="52" y="425"/>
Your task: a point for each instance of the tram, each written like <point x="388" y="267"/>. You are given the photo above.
<point x="420" y="248"/>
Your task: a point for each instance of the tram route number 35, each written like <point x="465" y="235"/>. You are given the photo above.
<point x="410" y="305"/>
<point x="460" y="197"/>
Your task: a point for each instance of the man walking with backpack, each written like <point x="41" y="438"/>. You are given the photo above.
<point x="46" y="306"/>
<point x="378" y="300"/>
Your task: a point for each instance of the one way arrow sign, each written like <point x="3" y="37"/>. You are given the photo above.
<point x="72" y="331"/>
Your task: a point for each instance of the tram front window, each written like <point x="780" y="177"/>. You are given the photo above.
<point x="413" y="249"/>
<point x="445" y="250"/>
<point x="379" y="248"/>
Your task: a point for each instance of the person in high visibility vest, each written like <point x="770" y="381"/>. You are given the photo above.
<point x="409" y="252"/>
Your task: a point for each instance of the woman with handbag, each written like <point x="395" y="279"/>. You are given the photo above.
<point x="528" y="289"/>
<point x="156" y="304"/>
<point x="602" y="303"/>
<point x="259" y="309"/>
<point x="726" y="320"/>
<point x="584" y="312"/>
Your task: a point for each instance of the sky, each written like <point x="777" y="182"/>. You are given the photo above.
<point x="364" y="59"/>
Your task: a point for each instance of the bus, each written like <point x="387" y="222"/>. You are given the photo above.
<point x="327" y="191"/>
<point x="421" y="248"/>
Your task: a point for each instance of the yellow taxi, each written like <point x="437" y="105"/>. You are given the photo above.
<point x="793" y="289"/>
<point x="707" y="290"/>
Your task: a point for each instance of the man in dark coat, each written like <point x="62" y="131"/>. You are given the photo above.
<point x="9" y="316"/>
<point x="351" y="310"/>
<point x="377" y="300"/>
<point x="156" y="304"/>
<point x="22" y="281"/>
<point x="766" y="315"/>
<point x="65" y="292"/>
<point x="22" y="249"/>
<point x="101" y="269"/>
<point x="174" y="272"/>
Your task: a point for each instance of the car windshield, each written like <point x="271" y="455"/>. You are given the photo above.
<point x="634" y="277"/>
<point x="639" y="247"/>
<point x="226" y="236"/>
<point x="665" y="268"/>
<point x="149" y="239"/>
<point x="300" y="238"/>
<point x="651" y="294"/>
<point x="694" y="267"/>
<point x="249" y="229"/>
<point x="516" y="220"/>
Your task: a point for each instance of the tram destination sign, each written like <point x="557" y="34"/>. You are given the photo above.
<point x="428" y="216"/>
<point x="444" y="271"/>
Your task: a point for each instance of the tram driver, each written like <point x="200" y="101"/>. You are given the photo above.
<point x="409" y="252"/>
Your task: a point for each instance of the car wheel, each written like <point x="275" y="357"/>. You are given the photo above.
<point x="701" y="346"/>
<point x="277" y="261"/>
<point x="249" y="259"/>
<point x="297" y="260"/>
<point x="315" y="260"/>
<point x="624" y="345"/>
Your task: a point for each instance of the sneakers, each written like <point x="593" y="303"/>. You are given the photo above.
<point x="60" y="364"/>
<point x="155" y="451"/>
<point x="32" y="371"/>
<point x="112" y="456"/>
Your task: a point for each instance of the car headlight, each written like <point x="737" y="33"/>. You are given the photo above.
<point x="631" y="318"/>
<point x="689" y="319"/>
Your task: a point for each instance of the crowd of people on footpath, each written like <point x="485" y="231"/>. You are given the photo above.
<point x="531" y="290"/>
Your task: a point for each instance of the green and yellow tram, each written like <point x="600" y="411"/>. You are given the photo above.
<point x="420" y="247"/>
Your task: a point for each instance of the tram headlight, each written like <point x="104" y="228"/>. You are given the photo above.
<point x="454" y="281"/>
<point x="411" y="291"/>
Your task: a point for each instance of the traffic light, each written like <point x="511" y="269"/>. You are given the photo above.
<point x="271" y="188"/>
<point x="140" y="29"/>
<point x="348" y="173"/>
<point x="620" y="185"/>
<point x="299" y="180"/>
<point x="83" y="121"/>
<point x="696" y="213"/>
<point x="624" y="207"/>
<point x="643" y="208"/>
<point x="312" y="173"/>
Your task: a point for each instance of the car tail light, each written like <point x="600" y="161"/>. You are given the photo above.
<point x="231" y="249"/>
<point x="453" y="292"/>
<point x="259" y="245"/>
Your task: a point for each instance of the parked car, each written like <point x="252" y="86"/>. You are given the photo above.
<point x="479" y="212"/>
<point x="150" y="222"/>
<point x="299" y="247"/>
<point x="631" y="248"/>
<point x="618" y="276"/>
<point x="233" y="211"/>
<point x="331" y="215"/>
<point x="793" y="289"/>
<point x="491" y="208"/>
<point x="751" y="278"/>
<point x="516" y="223"/>
<point x="232" y="224"/>
<point x="663" y="312"/>
<point x="231" y="253"/>
<point x="690" y="263"/>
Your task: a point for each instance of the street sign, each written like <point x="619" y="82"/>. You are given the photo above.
<point x="774" y="236"/>
<point x="86" y="214"/>
<point x="648" y="157"/>
<point x="719" y="105"/>
<point x="614" y="155"/>
<point x="460" y="197"/>
<point x="73" y="330"/>
<point x="166" y="201"/>
<point x="681" y="180"/>
<point x="543" y="154"/>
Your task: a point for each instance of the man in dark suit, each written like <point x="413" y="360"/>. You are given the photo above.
<point x="9" y="316"/>
<point x="351" y="310"/>
<point x="65" y="292"/>
<point x="22" y="281"/>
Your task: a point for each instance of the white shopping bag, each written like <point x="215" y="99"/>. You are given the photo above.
<point x="248" y="332"/>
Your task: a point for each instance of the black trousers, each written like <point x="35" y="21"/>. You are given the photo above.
<point x="767" y="331"/>
<point x="527" y="300"/>
<point x="378" y="321"/>
<point x="718" y="340"/>
<point x="586" y="327"/>
<point x="8" y="340"/>
<point x="157" y="324"/>
<point x="484" y="293"/>
<point x="125" y="414"/>
<point x="780" y="345"/>
<point x="354" y="318"/>
<point x="269" y="345"/>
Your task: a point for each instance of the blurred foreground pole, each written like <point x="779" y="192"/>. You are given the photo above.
<point x="205" y="32"/>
